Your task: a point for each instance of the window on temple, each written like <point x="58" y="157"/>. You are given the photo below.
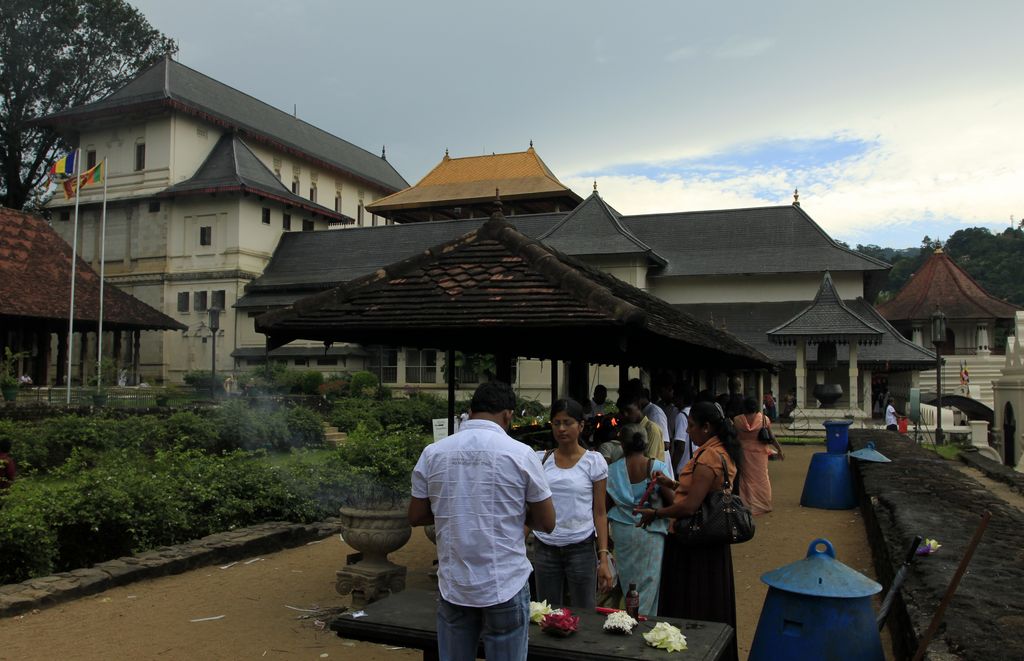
<point x="383" y="362"/>
<point x="266" y="216"/>
<point x="307" y="225"/>
<point x="218" y="299"/>
<point x="286" y="222"/>
<point x="199" y="298"/>
<point x="140" y="156"/>
<point x="183" y="301"/>
<point x="206" y="236"/>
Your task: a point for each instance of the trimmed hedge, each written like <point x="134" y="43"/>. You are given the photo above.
<point x="123" y="501"/>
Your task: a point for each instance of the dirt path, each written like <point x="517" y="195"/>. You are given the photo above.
<point x="152" y="619"/>
<point x="999" y="489"/>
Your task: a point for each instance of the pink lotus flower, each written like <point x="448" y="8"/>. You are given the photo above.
<point x="560" y="623"/>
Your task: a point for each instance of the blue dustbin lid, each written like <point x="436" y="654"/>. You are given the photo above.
<point x="821" y="575"/>
<point x="869" y="453"/>
<point x="836" y="423"/>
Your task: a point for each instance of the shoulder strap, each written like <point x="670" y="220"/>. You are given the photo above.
<point x="650" y="467"/>
<point x="725" y="473"/>
<point x="546" y="455"/>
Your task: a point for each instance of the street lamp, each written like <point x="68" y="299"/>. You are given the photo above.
<point x="214" y="327"/>
<point x="938" y="336"/>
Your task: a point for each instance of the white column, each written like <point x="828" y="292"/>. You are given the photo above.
<point x="983" y="347"/>
<point x="801" y="374"/>
<point x="918" y="336"/>
<point x="865" y="393"/>
<point x="775" y="387"/>
<point x="853" y="375"/>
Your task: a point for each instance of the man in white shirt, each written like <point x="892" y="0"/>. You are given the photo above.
<point x="891" y="421"/>
<point x="479" y="487"/>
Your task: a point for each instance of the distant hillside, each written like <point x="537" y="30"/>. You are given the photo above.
<point x="996" y="261"/>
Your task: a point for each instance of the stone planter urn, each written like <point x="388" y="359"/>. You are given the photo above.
<point x="828" y="394"/>
<point x="375" y="533"/>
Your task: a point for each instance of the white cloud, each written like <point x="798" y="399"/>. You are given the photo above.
<point x="738" y="47"/>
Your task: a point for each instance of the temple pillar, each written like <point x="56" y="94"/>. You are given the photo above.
<point x="983" y="348"/>
<point x="801" y="374"/>
<point x="865" y="396"/>
<point x="136" y="340"/>
<point x="853" y="375"/>
<point x="760" y="389"/>
<point x="775" y="388"/>
<point x="62" y="358"/>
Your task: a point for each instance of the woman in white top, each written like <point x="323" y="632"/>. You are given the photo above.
<point x="576" y="551"/>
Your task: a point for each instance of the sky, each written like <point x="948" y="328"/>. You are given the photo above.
<point x="895" y="120"/>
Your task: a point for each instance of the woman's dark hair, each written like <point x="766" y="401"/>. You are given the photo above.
<point x="721" y="426"/>
<point x="493" y="397"/>
<point x="750" y="405"/>
<point x="632" y="439"/>
<point x="570" y="407"/>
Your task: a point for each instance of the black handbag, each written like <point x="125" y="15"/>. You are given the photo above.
<point x="765" y="435"/>
<point x="721" y="519"/>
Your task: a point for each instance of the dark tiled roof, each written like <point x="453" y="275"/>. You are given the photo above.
<point x="231" y="166"/>
<point x="750" y="322"/>
<point x="35" y="282"/>
<point x="826" y="319"/>
<point x="495" y="288"/>
<point x="780" y="239"/>
<point x="331" y="258"/>
<point x="335" y="351"/>
<point x="940" y="282"/>
<point x="594" y="228"/>
<point x="172" y="84"/>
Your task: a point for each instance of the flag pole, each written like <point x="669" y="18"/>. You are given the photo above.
<point x="103" y="263"/>
<point x="74" y="268"/>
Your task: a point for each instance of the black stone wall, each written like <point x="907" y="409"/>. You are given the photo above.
<point x="921" y="493"/>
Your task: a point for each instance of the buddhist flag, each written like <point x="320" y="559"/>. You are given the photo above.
<point x="64" y="167"/>
<point x="93" y="175"/>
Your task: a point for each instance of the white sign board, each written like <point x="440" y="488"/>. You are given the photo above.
<point x="441" y="427"/>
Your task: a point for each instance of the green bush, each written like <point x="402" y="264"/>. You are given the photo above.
<point x="305" y="428"/>
<point x="363" y="384"/>
<point x="305" y="382"/>
<point x="386" y="457"/>
<point x="128" y="502"/>
<point x="202" y="381"/>
<point x="349" y="413"/>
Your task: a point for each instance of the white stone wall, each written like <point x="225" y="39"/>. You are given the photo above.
<point x="759" y="288"/>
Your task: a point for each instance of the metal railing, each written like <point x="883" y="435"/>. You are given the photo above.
<point x="117" y="397"/>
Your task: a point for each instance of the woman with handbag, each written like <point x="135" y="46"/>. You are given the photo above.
<point x="697" y="580"/>
<point x="576" y="552"/>
<point x="758" y="442"/>
<point x="638" y="551"/>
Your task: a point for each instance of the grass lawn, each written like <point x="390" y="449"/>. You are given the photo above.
<point x="801" y="440"/>
<point x="946" y="450"/>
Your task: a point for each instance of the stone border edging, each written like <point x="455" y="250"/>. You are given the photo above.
<point x="994" y="469"/>
<point x="228" y="546"/>
<point x="921" y="493"/>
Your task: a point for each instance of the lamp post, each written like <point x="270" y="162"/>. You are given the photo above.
<point x="938" y="336"/>
<point x="214" y="327"/>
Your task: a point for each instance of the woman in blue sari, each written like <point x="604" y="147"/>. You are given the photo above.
<point x="638" y="551"/>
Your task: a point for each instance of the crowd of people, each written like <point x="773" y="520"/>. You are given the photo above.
<point x="598" y="509"/>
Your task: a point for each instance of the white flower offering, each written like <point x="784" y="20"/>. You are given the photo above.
<point x="538" y="609"/>
<point x="619" y="622"/>
<point x="666" y="637"/>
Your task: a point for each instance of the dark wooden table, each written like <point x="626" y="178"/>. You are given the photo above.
<point x="409" y="619"/>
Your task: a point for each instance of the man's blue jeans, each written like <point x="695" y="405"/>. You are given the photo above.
<point x="504" y="628"/>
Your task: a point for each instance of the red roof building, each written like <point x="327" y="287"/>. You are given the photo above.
<point x="35" y="287"/>
<point x="971" y="312"/>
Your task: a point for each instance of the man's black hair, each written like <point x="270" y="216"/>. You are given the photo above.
<point x="493" y="397"/>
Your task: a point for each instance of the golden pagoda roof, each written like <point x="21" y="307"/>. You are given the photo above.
<point x="474" y="179"/>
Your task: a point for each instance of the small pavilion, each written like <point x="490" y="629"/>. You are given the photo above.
<point x="827" y="322"/>
<point x="495" y="290"/>
<point x="35" y="287"/>
<point x="972" y="314"/>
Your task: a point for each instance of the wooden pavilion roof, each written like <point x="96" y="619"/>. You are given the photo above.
<point x="35" y="282"/>
<point x="495" y="290"/>
<point x="941" y="282"/>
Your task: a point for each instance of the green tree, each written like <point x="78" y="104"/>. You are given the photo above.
<point x="54" y="55"/>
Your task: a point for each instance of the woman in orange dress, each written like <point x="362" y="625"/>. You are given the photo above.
<point x="697" y="581"/>
<point x="755" y="487"/>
